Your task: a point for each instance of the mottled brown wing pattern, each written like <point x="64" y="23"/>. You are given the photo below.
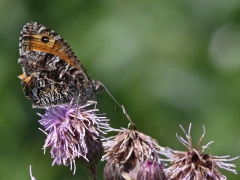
<point x="52" y="74"/>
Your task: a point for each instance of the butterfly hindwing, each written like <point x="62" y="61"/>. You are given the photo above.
<point x="52" y="73"/>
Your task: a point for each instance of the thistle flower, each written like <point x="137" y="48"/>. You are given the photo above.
<point x="146" y="170"/>
<point x="127" y="149"/>
<point x="73" y="135"/>
<point x="195" y="164"/>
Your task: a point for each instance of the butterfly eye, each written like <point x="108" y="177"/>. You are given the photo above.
<point x="45" y="39"/>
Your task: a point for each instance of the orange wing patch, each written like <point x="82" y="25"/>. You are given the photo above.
<point x="25" y="78"/>
<point x="48" y="44"/>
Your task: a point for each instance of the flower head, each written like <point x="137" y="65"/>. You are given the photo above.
<point x="127" y="149"/>
<point x="146" y="170"/>
<point x="73" y="134"/>
<point x="195" y="164"/>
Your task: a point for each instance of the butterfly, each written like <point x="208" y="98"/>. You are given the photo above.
<point x="52" y="73"/>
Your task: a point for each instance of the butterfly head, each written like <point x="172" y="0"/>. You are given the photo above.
<point x="98" y="86"/>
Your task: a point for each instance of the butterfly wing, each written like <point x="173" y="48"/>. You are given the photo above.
<point x="52" y="74"/>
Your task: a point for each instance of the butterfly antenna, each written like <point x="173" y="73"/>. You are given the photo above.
<point x="122" y="107"/>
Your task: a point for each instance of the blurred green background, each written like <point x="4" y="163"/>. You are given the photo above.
<point x="168" y="62"/>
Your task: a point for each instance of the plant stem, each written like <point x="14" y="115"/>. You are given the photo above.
<point x="92" y="173"/>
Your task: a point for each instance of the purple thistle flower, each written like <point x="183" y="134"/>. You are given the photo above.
<point x="73" y="134"/>
<point x="146" y="170"/>
<point x="195" y="164"/>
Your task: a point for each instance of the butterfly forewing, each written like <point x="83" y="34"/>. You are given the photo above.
<point x="52" y="73"/>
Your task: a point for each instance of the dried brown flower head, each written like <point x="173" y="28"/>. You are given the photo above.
<point x="127" y="149"/>
<point x="195" y="164"/>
